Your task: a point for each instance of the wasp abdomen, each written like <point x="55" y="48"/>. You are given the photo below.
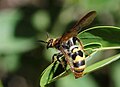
<point x="79" y="63"/>
<point x="78" y="60"/>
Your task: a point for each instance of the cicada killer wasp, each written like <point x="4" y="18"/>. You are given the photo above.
<point x="68" y="47"/>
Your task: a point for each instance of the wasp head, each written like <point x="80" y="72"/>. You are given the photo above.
<point x="50" y="43"/>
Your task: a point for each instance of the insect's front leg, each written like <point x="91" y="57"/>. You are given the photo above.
<point x="56" y="57"/>
<point x="60" y="58"/>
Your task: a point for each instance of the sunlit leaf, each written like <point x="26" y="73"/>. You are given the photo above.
<point x="101" y="64"/>
<point x="53" y="70"/>
<point x="107" y="36"/>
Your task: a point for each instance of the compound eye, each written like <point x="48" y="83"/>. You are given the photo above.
<point x="49" y="43"/>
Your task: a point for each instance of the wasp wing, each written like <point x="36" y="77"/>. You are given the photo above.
<point x="67" y="58"/>
<point x="85" y="21"/>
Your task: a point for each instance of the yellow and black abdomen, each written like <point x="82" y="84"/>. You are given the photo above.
<point x="78" y="60"/>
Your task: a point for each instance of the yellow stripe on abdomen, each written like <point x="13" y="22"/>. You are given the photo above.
<point x="78" y="58"/>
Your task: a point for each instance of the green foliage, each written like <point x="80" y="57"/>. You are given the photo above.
<point x="41" y="20"/>
<point x="10" y="47"/>
<point x="69" y="81"/>
<point x="10" y="44"/>
<point x="1" y="84"/>
<point x="23" y="22"/>
<point x="106" y="38"/>
<point x="101" y="64"/>
<point x="116" y="74"/>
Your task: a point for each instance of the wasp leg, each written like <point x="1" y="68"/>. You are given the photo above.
<point x="64" y="63"/>
<point x="58" y="57"/>
<point x="77" y="39"/>
<point x="82" y="47"/>
<point x="55" y="58"/>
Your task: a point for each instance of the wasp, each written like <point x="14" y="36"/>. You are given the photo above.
<point x="70" y="46"/>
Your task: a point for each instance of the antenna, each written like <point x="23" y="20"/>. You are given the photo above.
<point x="48" y="37"/>
<point x="42" y="41"/>
<point x="47" y="34"/>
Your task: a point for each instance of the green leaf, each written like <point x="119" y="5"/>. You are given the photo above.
<point x="53" y="71"/>
<point x="94" y="39"/>
<point x="101" y="64"/>
<point x="107" y="36"/>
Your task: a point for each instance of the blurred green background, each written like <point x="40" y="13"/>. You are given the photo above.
<point x="23" y="22"/>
